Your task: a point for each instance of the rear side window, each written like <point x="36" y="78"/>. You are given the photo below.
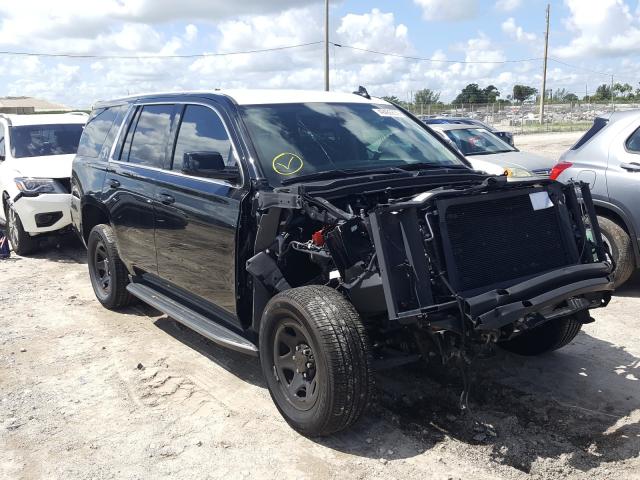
<point x="202" y="130"/>
<point x="96" y="130"/>
<point x="145" y="144"/>
<point x="633" y="142"/>
<point x="598" y="124"/>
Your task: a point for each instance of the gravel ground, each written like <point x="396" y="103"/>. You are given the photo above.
<point x="86" y="393"/>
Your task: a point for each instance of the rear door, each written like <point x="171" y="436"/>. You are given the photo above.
<point x="623" y="172"/>
<point x="129" y="187"/>
<point x="197" y="215"/>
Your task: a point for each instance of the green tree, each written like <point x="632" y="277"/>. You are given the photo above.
<point x="426" y="96"/>
<point x="523" y="92"/>
<point x="395" y="100"/>
<point x="623" y="89"/>
<point x="603" y="92"/>
<point x="491" y="94"/>
<point x="571" y="98"/>
<point x="472" y="93"/>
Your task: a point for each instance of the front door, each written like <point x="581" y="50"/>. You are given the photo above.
<point x="130" y="188"/>
<point x="197" y="216"/>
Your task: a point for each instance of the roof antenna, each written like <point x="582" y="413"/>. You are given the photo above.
<point x="363" y="92"/>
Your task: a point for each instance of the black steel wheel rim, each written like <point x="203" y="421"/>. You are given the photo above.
<point x="102" y="268"/>
<point x="295" y="365"/>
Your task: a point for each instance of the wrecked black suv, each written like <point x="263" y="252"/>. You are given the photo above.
<point x="320" y="231"/>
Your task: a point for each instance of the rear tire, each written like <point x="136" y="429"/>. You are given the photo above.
<point x="549" y="336"/>
<point x="621" y="249"/>
<point x="109" y="276"/>
<point x="21" y="242"/>
<point x="316" y="360"/>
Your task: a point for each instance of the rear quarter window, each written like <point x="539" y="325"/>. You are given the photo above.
<point x="101" y="123"/>
<point x="598" y="124"/>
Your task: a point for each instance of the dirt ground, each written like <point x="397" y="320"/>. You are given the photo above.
<point x="86" y="393"/>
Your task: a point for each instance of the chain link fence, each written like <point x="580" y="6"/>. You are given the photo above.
<point x="525" y="118"/>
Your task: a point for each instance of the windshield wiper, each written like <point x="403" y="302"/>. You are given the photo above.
<point x="330" y="174"/>
<point x="430" y="166"/>
<point x="488" y="152"/>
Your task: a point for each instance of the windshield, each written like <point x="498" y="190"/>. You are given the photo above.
<point x="41" y="140"/>
<point x="294" y="140"/>
<point x="478" y="141"/>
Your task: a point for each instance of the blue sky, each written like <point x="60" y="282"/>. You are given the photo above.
<point x="588" y="36"/>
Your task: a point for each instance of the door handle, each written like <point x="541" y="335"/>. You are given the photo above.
<point x="113" y="183"/>
<point x="166" y="199"/>
<point x="631" y="167"/>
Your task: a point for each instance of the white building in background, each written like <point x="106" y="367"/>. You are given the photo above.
<point x="30" y="105"/>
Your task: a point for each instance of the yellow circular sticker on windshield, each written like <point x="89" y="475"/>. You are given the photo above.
<point x="287" y="163"/>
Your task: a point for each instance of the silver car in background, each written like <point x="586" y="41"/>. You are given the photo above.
<point x="607" y="157"/>
<point x="479" y="143"/>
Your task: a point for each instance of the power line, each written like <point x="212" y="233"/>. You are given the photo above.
<point x="426" y="59"/>
<point x="141" y="57"/>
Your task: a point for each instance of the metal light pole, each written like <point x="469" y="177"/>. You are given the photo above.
<point x="326" y="45"/>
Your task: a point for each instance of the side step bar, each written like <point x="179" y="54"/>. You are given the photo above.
<point x="199" y="323"/>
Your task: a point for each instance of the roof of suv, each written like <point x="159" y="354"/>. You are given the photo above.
<point x="271" y="96"/>
<point x="45" y="118"/>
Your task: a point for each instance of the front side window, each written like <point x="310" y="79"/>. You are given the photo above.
<point x="146" y="143"/>
<point x="44" y="140"/>
<point x="98" y="126"/>
<point x="2" y="150"/>
<point x="202" y="130"/>
<point x="633" y="142"/>
<point x="478" y="141"/>
<point x="301" y="138"/>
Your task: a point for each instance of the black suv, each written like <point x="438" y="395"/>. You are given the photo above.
<point x="320" y="231"/>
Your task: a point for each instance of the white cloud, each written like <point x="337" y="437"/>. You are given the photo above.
<point x="516" y="32"/>
<point x="508" y="5"/>
<point x="190" y="32"/>
<point x="601" y="28"/>
<point x="447" y="10"/>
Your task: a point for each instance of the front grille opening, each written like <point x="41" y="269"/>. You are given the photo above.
<point x="494" y="241"/>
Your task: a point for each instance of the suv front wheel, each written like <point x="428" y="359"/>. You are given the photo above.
<point x="316" y="360"/>
<point x="108" y="274"/>
<point x="21" y="242"/>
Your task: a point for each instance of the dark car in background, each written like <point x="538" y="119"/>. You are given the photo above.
<point x="321" y="230"/>
<point x="503" y="135"/>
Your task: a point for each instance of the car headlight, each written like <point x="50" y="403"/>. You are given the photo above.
<point x="517" y="172"/>
<point x="29" y="185"/>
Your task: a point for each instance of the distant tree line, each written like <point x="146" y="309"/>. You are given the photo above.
<point x="474" y="94"/>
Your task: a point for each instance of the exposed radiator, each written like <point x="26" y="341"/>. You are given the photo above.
<point x="494" y="241"/>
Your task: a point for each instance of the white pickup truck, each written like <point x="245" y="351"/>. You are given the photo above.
<point x="36" y="152"/>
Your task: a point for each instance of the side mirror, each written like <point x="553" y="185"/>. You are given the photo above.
<point x="209" y="165"/>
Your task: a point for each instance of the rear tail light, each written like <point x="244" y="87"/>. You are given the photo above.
<point x="558" y="168"/>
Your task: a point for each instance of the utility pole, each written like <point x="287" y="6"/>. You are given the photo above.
<point x="613" y="105"/>
<point x="544" y="70"/>
<point x="326" y="45"/>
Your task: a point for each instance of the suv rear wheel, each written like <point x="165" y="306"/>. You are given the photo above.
<point x="621" y="249"/>
<point x="547" y="337"/>
<point x="21" y="242"/>
<point x="108" y="274"/>
<point x="316" y="360"/>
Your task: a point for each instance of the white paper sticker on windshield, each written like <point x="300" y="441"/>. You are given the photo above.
<point x="540" y="200"/>
<point x="388" y="112"/>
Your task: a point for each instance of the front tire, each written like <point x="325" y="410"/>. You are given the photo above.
<point x="547" y="337"/>
<point x="621" y="248"/>
<point x="21" y="242"/>
<point x="109" y="276"/>
<point x="316" y="360"/>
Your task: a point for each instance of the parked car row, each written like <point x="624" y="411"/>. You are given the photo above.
<point x="327" y="234"/>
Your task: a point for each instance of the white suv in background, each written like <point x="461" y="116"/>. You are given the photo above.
<point x="36" y="152"/>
